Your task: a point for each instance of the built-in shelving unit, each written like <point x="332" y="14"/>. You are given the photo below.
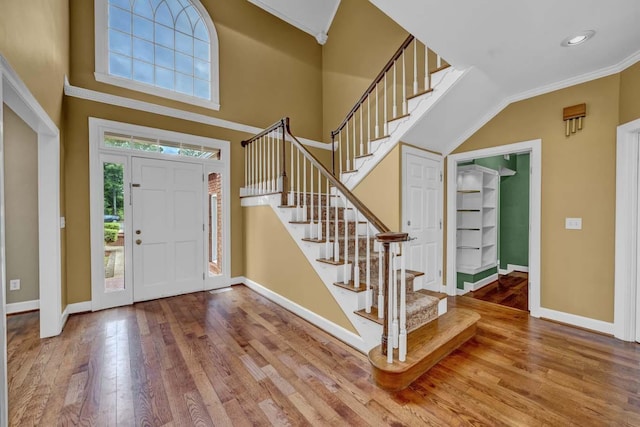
<point x="477" y="211"/>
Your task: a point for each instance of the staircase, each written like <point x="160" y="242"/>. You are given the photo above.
<point x="356" y="255"/>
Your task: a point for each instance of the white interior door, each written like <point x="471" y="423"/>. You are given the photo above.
<point x="422" y="214"/>
<point x="168" y="228"/>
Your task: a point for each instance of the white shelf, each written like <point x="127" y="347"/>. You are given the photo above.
<point x="477" y="200"/>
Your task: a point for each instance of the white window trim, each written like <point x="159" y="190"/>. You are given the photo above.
<point x="102" y="61"/>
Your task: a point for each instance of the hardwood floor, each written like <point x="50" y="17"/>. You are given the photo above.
<point x="234" y="358"/>
<point x="511" y="290"/>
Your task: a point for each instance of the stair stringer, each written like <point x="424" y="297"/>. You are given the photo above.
<point x="370" y="332"/>
<point x="417" y="107"/>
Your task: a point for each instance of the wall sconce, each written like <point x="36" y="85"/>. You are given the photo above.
<point x="571" y="115"/>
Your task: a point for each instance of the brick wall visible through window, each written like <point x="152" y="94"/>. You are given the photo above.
<point x="215" y="187"/>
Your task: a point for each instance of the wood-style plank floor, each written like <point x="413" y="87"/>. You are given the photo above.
<point x="511" y="290"/>
<point x="234" y="358"/>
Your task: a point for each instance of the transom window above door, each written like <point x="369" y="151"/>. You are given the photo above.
<point x="167" y="48"/>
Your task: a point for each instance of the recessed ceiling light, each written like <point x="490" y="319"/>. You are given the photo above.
<point x="578" y="38"/>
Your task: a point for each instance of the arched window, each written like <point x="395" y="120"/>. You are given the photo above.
<point x="167" y="48"/>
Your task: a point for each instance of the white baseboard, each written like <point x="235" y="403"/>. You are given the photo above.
<point x="78" y="307"/>
<point x="515" y="267"/>
<point x="20" y="307"/>
<point x="503" y="272"/>
<point x="470" y="287"/>
<point x="575" y="320"/>
<point x="337" y="331"/>
<point x="239" y="280"/>
<point x="461" y="292"/>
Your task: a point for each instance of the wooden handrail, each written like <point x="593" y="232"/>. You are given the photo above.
<point x="375" y="82"/>
<point x="377" y="223"/>
<point x="276" y="125"/>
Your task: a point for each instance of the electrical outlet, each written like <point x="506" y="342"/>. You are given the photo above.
<point x="14" y="285"/>
<point x="573" y="223"/>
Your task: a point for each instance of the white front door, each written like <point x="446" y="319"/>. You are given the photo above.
<point x="422" y="214"/>
<point x="168" y="228"/>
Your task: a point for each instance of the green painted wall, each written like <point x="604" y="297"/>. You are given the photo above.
<point x="497" y="161"/>
<point x="514" y="215"/>
<point x="472" y="278"/>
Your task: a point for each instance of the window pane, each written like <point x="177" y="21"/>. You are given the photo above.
<point x="183" y="24"/>
<point x="215" y="224"/>
<point x="164" y="78"/>
<point x="184" y="43"/>
<point x="201" y="89"/>
<point x="194" y="15"/>
<point x="184" y="63"/>
<point x="121" y="3"/>
<point x="142" y="50"/>
<point x="142" y="72"/>
<point x="114" y="247"/>
<point x="201" y="31"/>
<point x="175" y="7"/>
<point x="164" y="36"/>
<point x="184" y="83"/>
<point x="202" y="70"/>
<point x="143" y="8"/>
<point x="142" y="28"/>
<point x="119" y="42"/>
<point x="119" y="65"/>
<point x="201" y="50"/>
<point x="119" y="19"/>
<point x="164" y="57"/>
<point x="163" y="15"/>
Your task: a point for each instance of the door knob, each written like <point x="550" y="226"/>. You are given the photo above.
<point x="138" y="231"/>
<point x="138" y="242"/>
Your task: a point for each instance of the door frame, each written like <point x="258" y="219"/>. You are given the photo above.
<point x="534" y="147"/>
<point x="408" y="149"/>
<point x="626" y="320"/>
<point x="97" y="128"/>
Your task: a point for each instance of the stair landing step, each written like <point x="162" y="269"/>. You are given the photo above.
<point x="426" y="346"/>
<point x="351" y="286"/>
<point x="373" y="316"/>
<point x="434" y="294"/>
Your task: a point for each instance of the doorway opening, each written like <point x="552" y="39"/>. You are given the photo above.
<point x="493" y="225"/>
<point x="492" y="229"/>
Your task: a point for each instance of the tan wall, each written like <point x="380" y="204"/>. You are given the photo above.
<point x="380" y="190"/>
<point x="21" y="207"/>
<point x="578" y="180"/>
<point x="630" y="94"/>
<point x="77" y="183"/>
<point x="268" y="69"/>
<point x="34" y="38"/>
<point x="274" y="260"/>
<point x="361" y="41"/>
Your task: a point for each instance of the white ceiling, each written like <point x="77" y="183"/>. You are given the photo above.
<point x="311" y="16"/>
<point x="517" y="44"/>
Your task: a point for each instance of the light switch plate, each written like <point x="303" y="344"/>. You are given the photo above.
<point x="14" y="285"/>
<point x="573" y="223"/>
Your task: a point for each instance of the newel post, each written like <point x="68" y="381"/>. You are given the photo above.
<point x="283" y="175"/>
<point x="387" y="239"/>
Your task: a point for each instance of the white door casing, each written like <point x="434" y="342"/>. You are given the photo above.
<point x="168" y="228"/>
<point x="422" y="191"/>
<point x="534" y="147"/>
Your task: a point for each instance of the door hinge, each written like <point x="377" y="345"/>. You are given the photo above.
<point x="440" y="224"/>
<point x="202" y="227"/>
<point x="202" y="177"/>
<point x="440" y="176"/>
<point x="203" y="276"/>
<point x="439" y="273"/>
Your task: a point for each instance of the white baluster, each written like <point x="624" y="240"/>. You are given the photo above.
<point x="415" y="66"/>
<point x="327" y="244"/>
<point x="395" y="101"/>
<point x="263" y="166"/>
<point x="269" y="164"/>
<point x="404" y="84"/>
<point x="278" y="181"/>
<point x="312" y="230"/>
<point x="427" y="76"/>
<point x="298" y="200"/>
<point x="438" y="61"/>
<point x="347" y="166"/>
<point x="252" y="167"/>
<point x="369" y="123"/>
<point x="361" y="142"/>
<point x="385" y="102"/>
<point x="353" y="161"/>
<point x="246" y="170"/>
<point x="368" y="294"/>
<point x="336" y="246"/>
<point x="346" y="243"/>
<point x="402" y="340"/>
<point x="390" y="305"/>
<point x="340" y="152"/>
<point x="259" y="147"/>
<point x="292" y="181"/>
<point x="376" y="131"/>
<point x="319" y="231"/>
<point x="304" y="188"/>
<point x="394" y="287"/>
<point x="380" y="282"/>
<point x="356" y="252"/>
